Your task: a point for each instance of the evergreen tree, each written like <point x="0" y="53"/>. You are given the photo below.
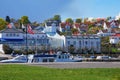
<point x="7" y="19"/>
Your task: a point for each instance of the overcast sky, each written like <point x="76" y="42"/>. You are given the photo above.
<point x="40" y="10"/>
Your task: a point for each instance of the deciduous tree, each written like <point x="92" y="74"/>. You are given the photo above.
<point x="69" y="20"/>
<point x="79" y="20"/>
<point x="57" y="18"/>
<point x="25" y="20"/>
<point x="2" y="23"/>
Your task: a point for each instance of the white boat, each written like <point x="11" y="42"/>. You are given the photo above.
<point x="59" y="57"/>
<point x="18" y="59"/>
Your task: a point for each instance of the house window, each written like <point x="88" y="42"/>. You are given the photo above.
<point x="10" y="34"/>
<point x="37" y="36"/>
<point x="68" y="42"/>
<point x="91" y="43"/>
<point x="13" y="34"/>
<point x="42" y="36"/>
<point x="47" y="41"/>
<point x="74" y="42"/>
<point x="44" y="41"/>
<point x="17" y="34"/>
<point x="97" y="43"/>
<point x="80" y="43"/>
<point x="6" y="34"/>
<point x="86" y="42"/>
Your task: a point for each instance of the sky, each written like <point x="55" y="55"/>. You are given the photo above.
<point x="40" y="10"/>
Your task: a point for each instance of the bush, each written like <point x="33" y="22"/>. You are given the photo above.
<point x="7" y="49"/>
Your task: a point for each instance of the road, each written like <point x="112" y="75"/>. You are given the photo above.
<point x="78" y="64"/>
<point x="73" y="64"/>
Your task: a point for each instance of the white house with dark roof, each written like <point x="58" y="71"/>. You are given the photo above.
<point x="11" y="34"/>
<point x="18" y="39"/>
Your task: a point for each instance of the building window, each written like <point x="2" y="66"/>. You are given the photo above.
<point x="17" y="34"/>
<point x="44" y="41"/>
<point x="97" y="43"/>
<point x="14" y="34"/>
<point x="74" y="42"/>
<point x="86" y="42"/>
<point x="68" y="42"/>
<point x="80" y="43"/>
<point x="91" y="43"/>
<point x="39" y="40"/>
<point x="47" y="41"/>
<point x="10" y="34"/>
<point x="42" y="36"/>
<point x="6" y="34"/>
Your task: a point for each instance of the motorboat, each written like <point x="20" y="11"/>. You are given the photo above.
<point x="59" y="57"/>
<point x="17" y="59"/>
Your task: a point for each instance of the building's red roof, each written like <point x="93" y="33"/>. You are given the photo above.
<point x="117" y="34"/>
<point x="100" y="19"/>
<point x="77" y="25"/>
<point x="65" y="24"/>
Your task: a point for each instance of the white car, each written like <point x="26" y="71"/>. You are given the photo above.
<point x="18" y="59"/>
<point x="103" y="58"/>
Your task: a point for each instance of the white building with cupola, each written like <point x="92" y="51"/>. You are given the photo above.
<point x="56" y="40"/>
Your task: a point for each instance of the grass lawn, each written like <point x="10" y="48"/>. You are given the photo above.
<point x="24" y="72"/>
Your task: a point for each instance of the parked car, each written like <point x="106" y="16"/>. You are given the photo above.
<point x="103" y="58"/>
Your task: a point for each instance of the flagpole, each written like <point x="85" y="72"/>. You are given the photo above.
<point x="28" y="30"/>
<point x="26" y="42"/>
<point x="36" y="44"/>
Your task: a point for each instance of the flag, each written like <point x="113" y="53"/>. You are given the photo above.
<point x="23" y="27"/>
<point x="29" y="29"/>
<point x="9" y="25"/>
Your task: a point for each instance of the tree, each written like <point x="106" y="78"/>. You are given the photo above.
<point x="119" y="20"/>
<point x="79" y="20"/>
<point x="25" y="20"/>
<point x="7" y="19"/>
<point x="17" y="23"/>
<point x="2" y="23"/>
<point x="108" y="18"/>
<point x="105" y="44"/>
<point x="7" y="49"/>
<point x="74" y="31"/>
<point x="69" y="20"/>
<point x="85" y="20"/>
<point x="57" y="18"/>
<point x="35" y="24"/>
<point x="71" y="49"/>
